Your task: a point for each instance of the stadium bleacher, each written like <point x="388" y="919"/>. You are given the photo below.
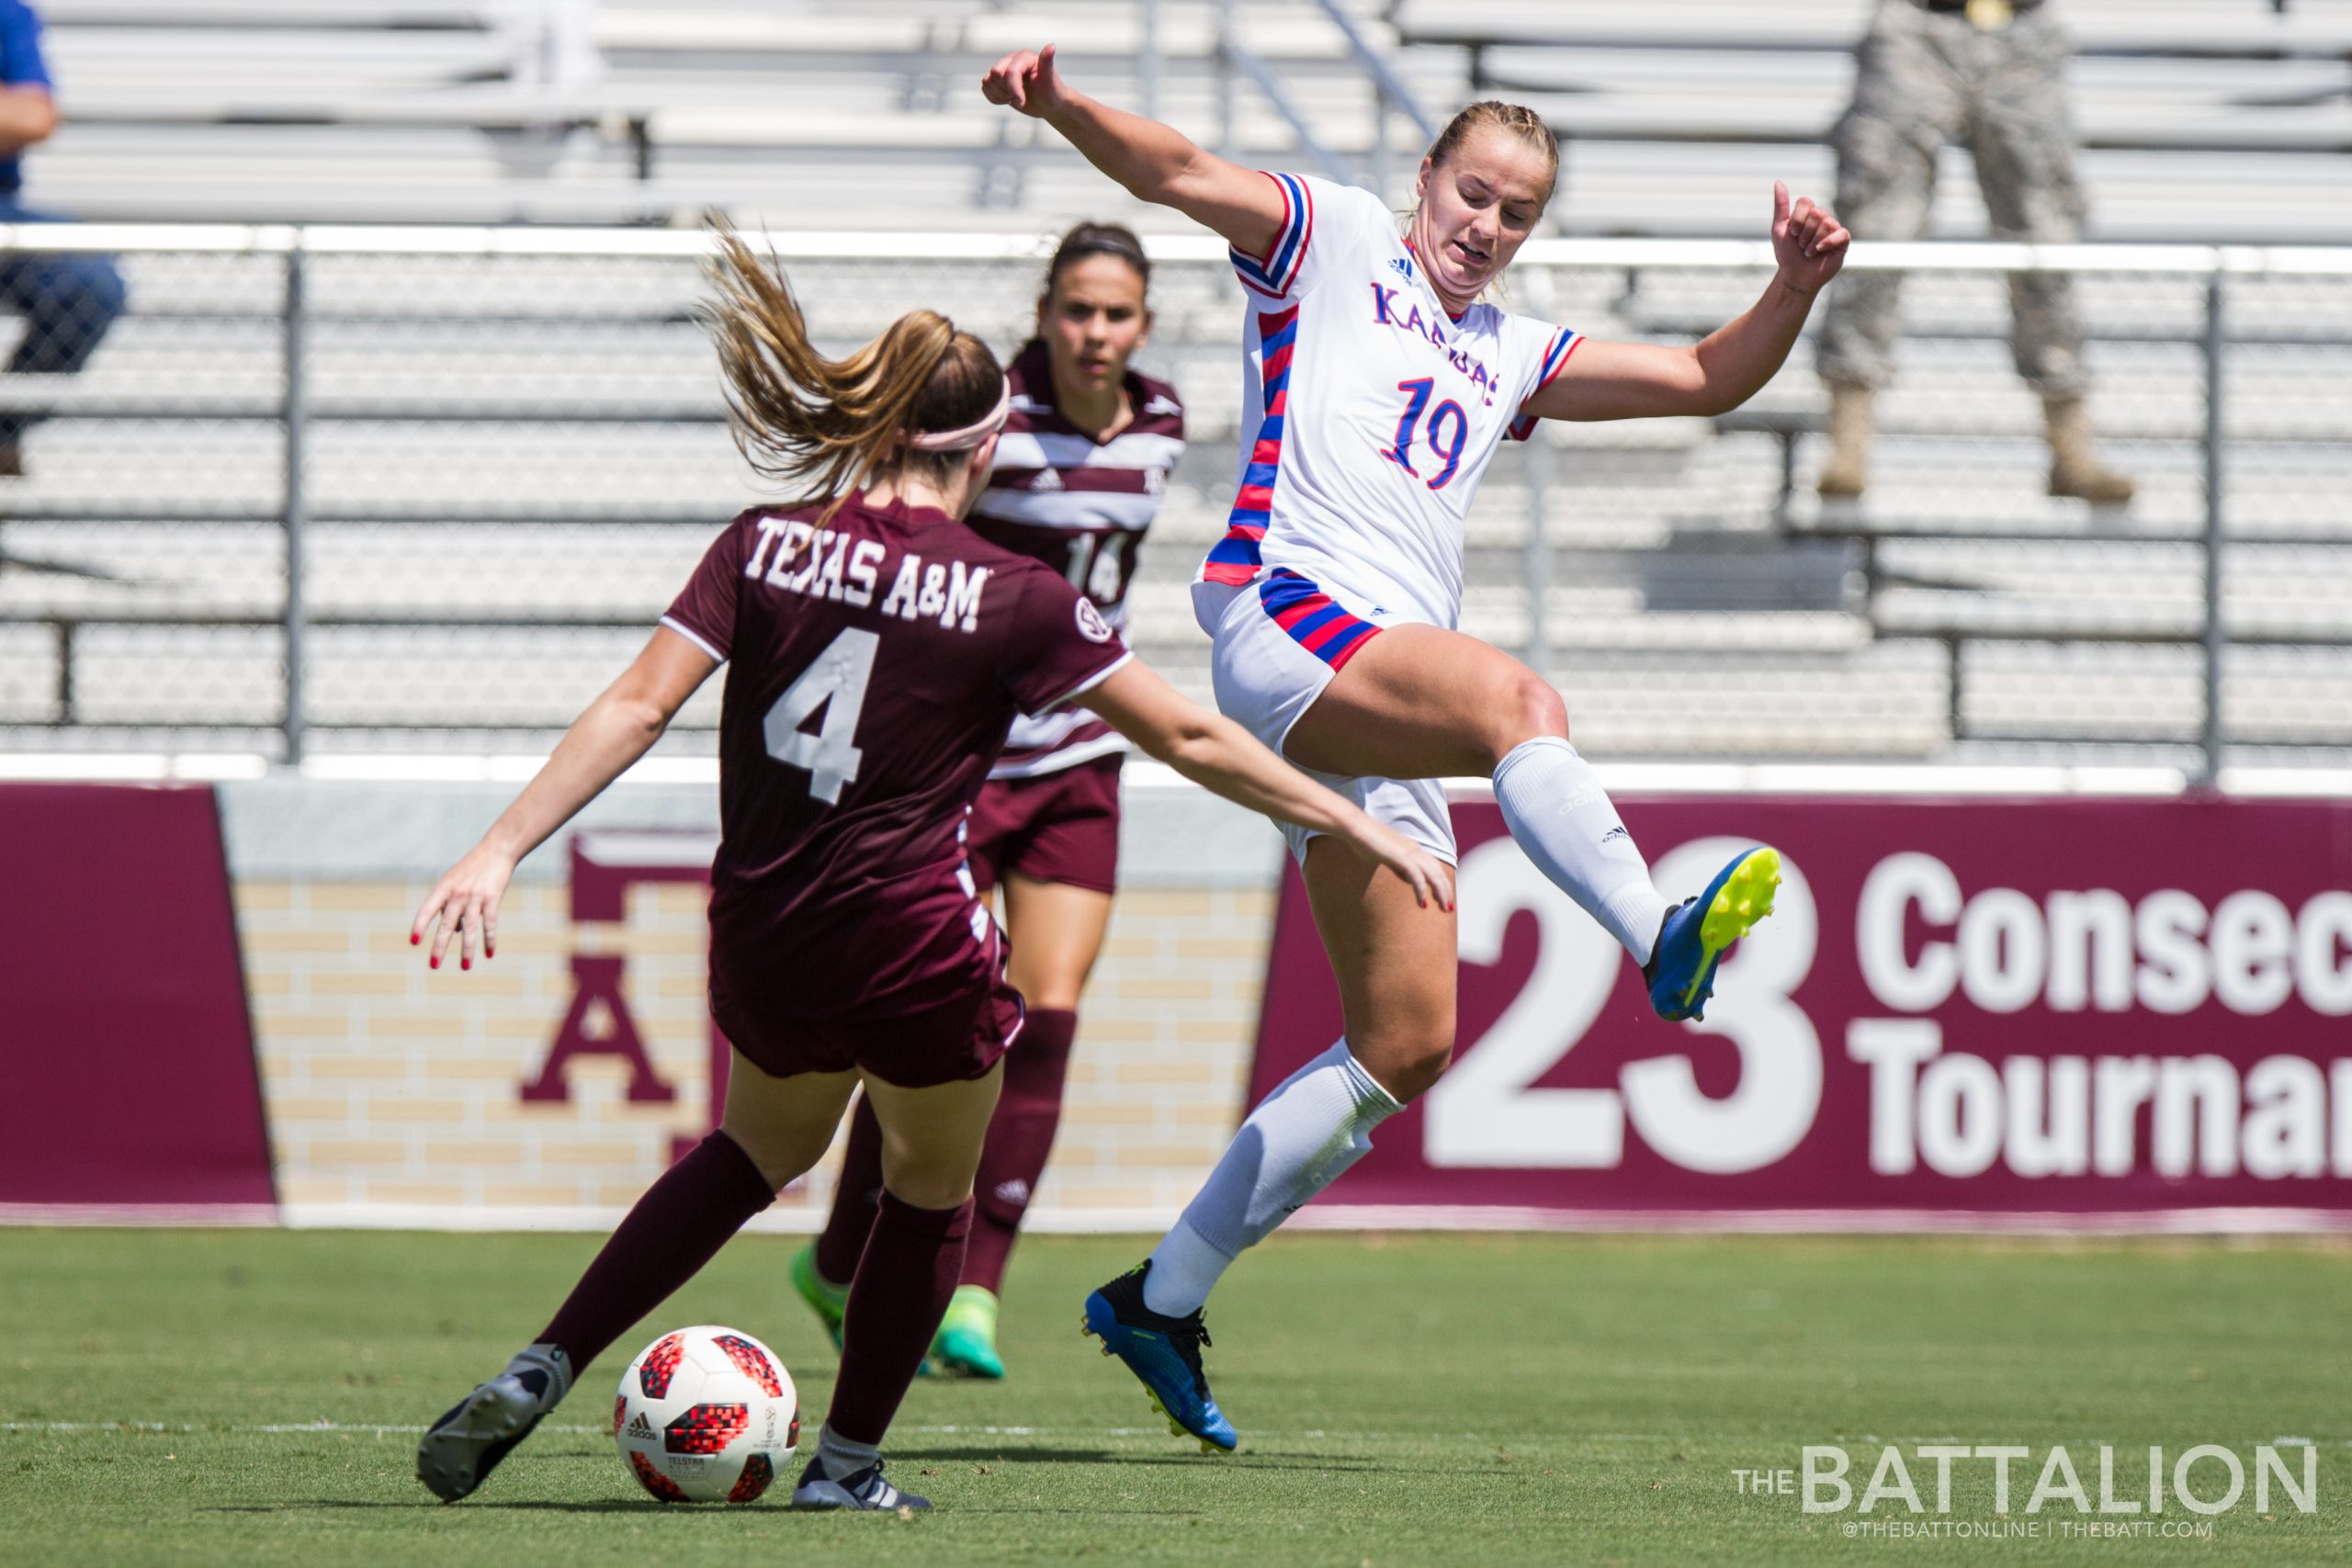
<point x="519" y="439"/>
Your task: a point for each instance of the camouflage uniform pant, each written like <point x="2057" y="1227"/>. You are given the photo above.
<point x="1924" y="79"/>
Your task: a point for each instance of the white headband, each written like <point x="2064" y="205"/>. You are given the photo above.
<point x="971" y="434"/>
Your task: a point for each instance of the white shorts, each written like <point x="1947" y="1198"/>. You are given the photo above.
<point x="1278" y="641"/>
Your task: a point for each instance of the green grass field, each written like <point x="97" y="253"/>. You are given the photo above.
<point x="1403" y="1400"/>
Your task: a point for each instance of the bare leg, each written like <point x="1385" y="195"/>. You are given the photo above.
<point x="1395" y="965"/>
<point x="1057" y="933"/>
<point x="1418" y="702"/>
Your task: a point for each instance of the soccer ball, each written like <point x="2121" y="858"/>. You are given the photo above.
<point x="706" y="1415"/>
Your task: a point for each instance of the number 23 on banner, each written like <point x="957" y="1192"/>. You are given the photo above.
<point x="1486" y="1113"/>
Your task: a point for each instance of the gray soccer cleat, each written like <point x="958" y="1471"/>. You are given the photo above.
<point x="867" y="1490"/>
<point x="458" y="1451"/>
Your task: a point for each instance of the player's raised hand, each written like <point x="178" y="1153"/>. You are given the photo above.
<point x="1026" y="81"/>
<point x="464" y="905"/>
<point x="1807" y="240"/>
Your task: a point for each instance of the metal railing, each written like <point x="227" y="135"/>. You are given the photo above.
<point x="1588" y="554"/>
<point x="1390" y="94"/>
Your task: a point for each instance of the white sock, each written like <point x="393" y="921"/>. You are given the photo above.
<point x="1553" y="802"/>
<point x="837" y="1459"/>
<point x="1316" y="1123"/>
<point x="546" y="1371"/>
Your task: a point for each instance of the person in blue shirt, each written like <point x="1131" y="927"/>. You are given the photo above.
<point x="68" y="300"/>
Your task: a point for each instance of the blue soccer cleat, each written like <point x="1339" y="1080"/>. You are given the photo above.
<point x="1695" y="932"/>
<point x="1164" y="1353"/>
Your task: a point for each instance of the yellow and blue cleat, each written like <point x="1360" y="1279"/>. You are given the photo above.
<point x="1697" y="931"/>
<point x="1164" y="1353"/>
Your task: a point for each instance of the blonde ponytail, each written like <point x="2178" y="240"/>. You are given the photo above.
<point x="824" y="427"/>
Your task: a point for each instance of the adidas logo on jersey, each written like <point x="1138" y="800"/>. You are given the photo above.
<point x="1014" y="1191"/>
<point x="1047" y="478"/>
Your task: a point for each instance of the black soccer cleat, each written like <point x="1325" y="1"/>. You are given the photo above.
<point x="1164" y="1353"/>
<point x="458" y="1451"/>
<point x="866" y="1491"/>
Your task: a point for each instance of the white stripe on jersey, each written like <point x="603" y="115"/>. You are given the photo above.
<point x="1112" y="744"/>
<point x="1032" y="732"/>
<point x="1069" y="508"/>
<point x="1035" y="449"/>
<point x="687" y="632"/>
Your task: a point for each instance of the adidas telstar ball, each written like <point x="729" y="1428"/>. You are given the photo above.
<point x="706" y="1415"/>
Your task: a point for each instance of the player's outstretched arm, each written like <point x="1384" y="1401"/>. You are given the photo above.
<point x="617" y="728"/>
<point x="1156" y="163"/>
<point x="1218" y="754"/>
<point x="1638" y="380"/>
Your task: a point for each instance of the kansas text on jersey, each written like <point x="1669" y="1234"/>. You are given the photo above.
<point x="1375" y="410"/>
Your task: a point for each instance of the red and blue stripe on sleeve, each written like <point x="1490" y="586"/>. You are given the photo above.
<point x="1555" y="358"/>
<point x="1275" y="274"/>
<point x="1235" y="558"/>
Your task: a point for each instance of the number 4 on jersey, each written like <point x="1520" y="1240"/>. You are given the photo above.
<point x="834" y="680"/>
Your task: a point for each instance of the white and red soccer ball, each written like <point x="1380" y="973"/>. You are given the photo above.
<point x="706" y="1415"/>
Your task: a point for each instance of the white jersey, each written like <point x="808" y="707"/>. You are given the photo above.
<point x="1376" y="413"/>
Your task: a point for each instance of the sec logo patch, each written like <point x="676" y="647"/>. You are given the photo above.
<point x="1091" y="623"/>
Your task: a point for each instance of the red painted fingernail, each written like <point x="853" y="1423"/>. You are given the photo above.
<point x="465" y="962"/>
<point x="436" y="964"/>
<point x="489" y="952"/>
<point x="413" y="938"/>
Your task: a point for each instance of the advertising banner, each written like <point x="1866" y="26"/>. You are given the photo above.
<point x="2070" y="1012"/>
<point x="124" y="1031"/>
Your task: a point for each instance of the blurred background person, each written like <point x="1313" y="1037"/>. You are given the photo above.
<point x="67" y="300"/>
<point x="1992" y="74"/>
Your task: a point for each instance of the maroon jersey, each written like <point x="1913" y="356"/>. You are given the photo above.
<point x="875" y="661"/>
<point x="1081" y="506"/>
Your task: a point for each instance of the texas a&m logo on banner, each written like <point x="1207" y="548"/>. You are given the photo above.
<point x="605" y="864"/>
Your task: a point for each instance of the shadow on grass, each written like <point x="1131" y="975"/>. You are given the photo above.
<point x="647" y="1506"/>
<point x="1208" y="1463"/>
<point x="612" y="1505"/>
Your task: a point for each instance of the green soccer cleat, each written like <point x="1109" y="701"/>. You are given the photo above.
<point x="827" y="1300"/>
<point x="966" y="1344"/>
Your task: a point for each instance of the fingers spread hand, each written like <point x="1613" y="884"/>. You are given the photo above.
<point x="427" y="913"/>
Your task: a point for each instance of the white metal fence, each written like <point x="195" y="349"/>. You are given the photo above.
<point x="334" y="487"/>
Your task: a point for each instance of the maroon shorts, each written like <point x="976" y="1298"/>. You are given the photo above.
<point x="1059" y="827"/>
<point x="947" y="1043"/>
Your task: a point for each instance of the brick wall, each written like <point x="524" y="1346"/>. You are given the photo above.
<point x="395" y="1092"/>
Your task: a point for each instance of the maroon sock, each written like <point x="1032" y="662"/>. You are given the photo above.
<point x="841" y="1241"/>
<point x="678" y="1225"/>
<point x="1020" y="1136"/>
<point x="895" y="1304"/>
